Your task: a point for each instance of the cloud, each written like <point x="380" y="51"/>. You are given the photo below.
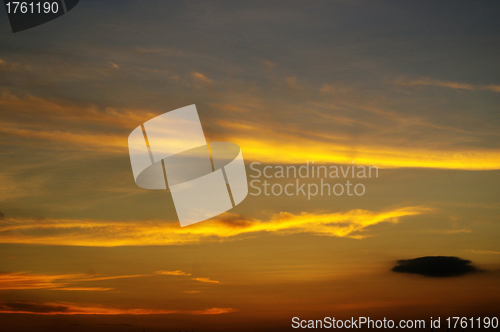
<point x="95" y="278"/>
<point x="448" y="231"/>
<point x="72" y="282"/>
<point x="435" y="266"/>
<point x="87" y="127"/>
<point x="22" y="280"/>
<point x="291" y="83"/>
<point x="63" y="282"/>
<point x="73" y="309"/>
<point x="335" y="89"/>
<point x="199" y="77"/>
<point x="88" y="289"/>
<point x="14" y="187"/>
<point x="29" y="119"/>
<point x="35" y="308"/>
<point x="70" y="232"/>
<point x="268" y="64"/>
<point x="485" y="252"/>
<point x="12" y="66"/>
<point x="425" y="81"/>
<point x="174" y="273"/>
<point x="207" y="280"/>
<point x="84" y="141"/>
<point x="35" y="108"/>
<point x="266" y="145"/>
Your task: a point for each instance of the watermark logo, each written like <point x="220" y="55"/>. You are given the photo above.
<point x="205" y="179"/>
<point x="310" y="180"/>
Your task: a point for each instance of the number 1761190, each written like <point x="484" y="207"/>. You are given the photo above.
<point x="32" y="7"/>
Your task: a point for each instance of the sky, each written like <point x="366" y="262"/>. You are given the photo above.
<point x="411" y="88"/>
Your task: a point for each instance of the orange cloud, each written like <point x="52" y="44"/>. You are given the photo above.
<point x="86" y="141"/>
<point x="94" y="278"/>
<point x="293" y="149"/>
<point x="485" y="252"/>
<point x="208" y="280"/>
<point x="158" y="232"/>
<point x="201" y="78"/>
<point x="88" y="289"/>
<point x="174" y="273"/>
<point x="22" y="280"/>
<point x="66" y="282"/>
<point x="260" y="141"/>
<point x="73" y="309"/>
<point x="425" y="81"/>
<point x="37" y="109"/>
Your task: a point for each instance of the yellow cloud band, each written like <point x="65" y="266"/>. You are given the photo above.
<point x="156" y="232"/>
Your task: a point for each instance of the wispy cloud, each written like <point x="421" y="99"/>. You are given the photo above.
<point x="73" y="282"/>
<point x="485" y="252"/>
<point x="199" y="77"/>
<point x="174" y="273"/>
<point x="29" y="110"/>
<point x="84" y="141"/>
<point x="425" y="81"/>
<point x="292" y="149"/>
<point x="15" y="187"/>
<point x="207" y="280"/>
<point x="335" y="89"/>
<point x="29" y="119"/>
<point x="449" y="231"/>
<point x="22" y="280"/>
<point x="229" y="226"/>
<point x="12" y="66"/>
<point x="49" y="308"/>
<point x="87" y="289"/>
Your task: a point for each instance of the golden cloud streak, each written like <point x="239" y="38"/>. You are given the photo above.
<point x="72" y="309"/>
<point x="228" y="226"/>
<point x="260" y="143"/>
<point x="296" y="150"/>
<point x="66" y="282"/>
<point x="207" y="280"/>
<point x="88" y="289"/>
<point x="257" y="142"/>
<point x="173" y="273"/>
<point x="21" y="280"/>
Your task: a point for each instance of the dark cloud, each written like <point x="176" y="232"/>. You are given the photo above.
<point x="435" y="266"/>
<point x="235" y="220"/>
<point x="39" y="308"/>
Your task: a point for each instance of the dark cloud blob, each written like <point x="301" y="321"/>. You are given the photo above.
<point x="32" y="307"/>
<point x="435" y="266"/>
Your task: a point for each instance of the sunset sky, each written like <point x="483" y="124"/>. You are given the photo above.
<point x="412" y="88"/>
